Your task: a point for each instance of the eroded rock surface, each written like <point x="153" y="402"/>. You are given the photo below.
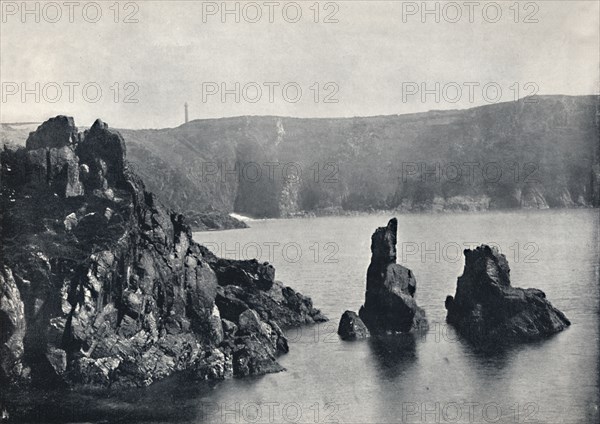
<point x="103" y="285"/>
<point x="486" y="309"/>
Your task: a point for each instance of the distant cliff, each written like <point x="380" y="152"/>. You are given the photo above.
<point x="100" y="284"/>
<point x="534" y="153"/>
<point x="509" y="155"/>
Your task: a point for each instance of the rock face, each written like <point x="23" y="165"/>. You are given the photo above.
<point x="102" y="285"/>
<point x="352" y="327"/>
<point x="488" y="310"/>
<point x="390" y="306"/>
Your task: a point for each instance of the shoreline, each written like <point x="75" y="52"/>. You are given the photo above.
<point x="311" y="215"/>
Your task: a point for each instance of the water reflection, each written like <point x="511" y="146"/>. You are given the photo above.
<point x="394" y="354"/>
<point x="171" y="400"/>
<point x="496" y="358"/>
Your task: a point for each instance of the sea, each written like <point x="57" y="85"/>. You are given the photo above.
<point x="432" y="376"/>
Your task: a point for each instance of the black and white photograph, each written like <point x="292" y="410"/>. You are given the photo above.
<point x="310" y="211"/>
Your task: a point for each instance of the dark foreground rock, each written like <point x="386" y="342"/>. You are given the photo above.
<point x="486" y="309"/>
<point x="101" y="285"/>
<point x="390" y="306"/>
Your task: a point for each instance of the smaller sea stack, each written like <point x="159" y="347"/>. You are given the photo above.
<point x="486" y="309"/>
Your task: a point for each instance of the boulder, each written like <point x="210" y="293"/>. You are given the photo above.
<point x="352" y="327"/>
<point x="245" y="273"/>
<point x="486" y="309"/>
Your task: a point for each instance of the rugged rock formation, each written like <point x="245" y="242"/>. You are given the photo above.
<point x="102" y="285"/>
<point x="352" y="327"/>
<point x="487" y="309"/>
<point x="390" y="306"/>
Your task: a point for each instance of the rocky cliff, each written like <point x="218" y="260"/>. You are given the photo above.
<point x="102" y="285"/>
<point x="487" y="310"/>
<point x="390" y="306"/>
<point x="535" y="153"/>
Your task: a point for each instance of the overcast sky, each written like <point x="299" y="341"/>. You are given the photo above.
<point x="375" y="59"/>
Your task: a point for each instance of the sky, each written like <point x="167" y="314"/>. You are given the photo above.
<point x="135" y="64"/>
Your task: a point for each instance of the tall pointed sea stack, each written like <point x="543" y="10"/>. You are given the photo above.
<point x="390" y="306"/>
<point x="486" y="309"/>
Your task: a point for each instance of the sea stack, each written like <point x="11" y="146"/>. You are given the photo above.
<point x="390" y="306"/>
<point x="486" y="309"/>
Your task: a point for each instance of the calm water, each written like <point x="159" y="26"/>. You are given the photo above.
<point x="431" y="377"/>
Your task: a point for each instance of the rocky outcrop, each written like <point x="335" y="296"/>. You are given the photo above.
<point x="351" y="327"/>
<point x="102" y="285"/>
<point x="390" y="306"/>
<point x="486" y="309"/>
